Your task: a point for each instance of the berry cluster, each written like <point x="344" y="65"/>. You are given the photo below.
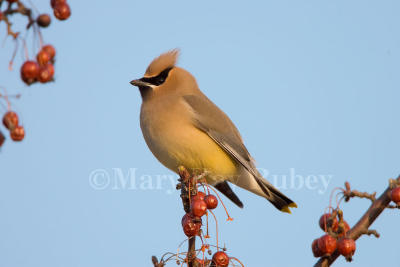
<point x="198" y="206"/>
<point x="337" y="240"/>
<point x="192" y="222"/>
<point x="335" y="229"/>
<point x="11" y="122"/>
<point x="41" y="69"/>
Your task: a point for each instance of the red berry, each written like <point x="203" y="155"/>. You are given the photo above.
<point x="315" y="249"/>
<point x="200" y="195"/>
<point x="328" y="221"/>
<point x="53" y="3"/>
<point x="29" y="71"/>
<point x="186" y="217"/>
<point x="327" y="244"/>
<point x="2" y="138"/>
<point x="62" y="11"/>
<point x="45" y="74"/>
<point x="211" y="201"/>
<point x="1" y="15"/>
<point x="191" y="225"/>
<point x="43" y="57"/>
<point x="50" y="67"/>
<point x="10" y="120"/>
<point x="12" y="1"/>
<point x="198" y="207"/>
<point x="395" y="195"/>
<point x="220" y="259"/>
<point x="50" y="50"/>
<point x="43" y="20"/>
<point x="346" y="247"/>
<point x="18" y="133"/>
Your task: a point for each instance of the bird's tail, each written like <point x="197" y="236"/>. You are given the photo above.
<point x="277" y="198"/>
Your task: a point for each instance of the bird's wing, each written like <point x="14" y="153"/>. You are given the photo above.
<point x="213" y="121"/>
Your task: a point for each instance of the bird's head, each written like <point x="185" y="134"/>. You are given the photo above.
<point x="163" y="76"/>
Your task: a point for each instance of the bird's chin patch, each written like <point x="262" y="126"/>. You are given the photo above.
<point x="145" y="90"/>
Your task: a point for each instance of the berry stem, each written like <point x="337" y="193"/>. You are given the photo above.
<point x="10" y="64"/>
<point x="215" y="191"/>
<point x="236" y="259"/>
<point x="25" y="50"/>
<point x="216" y="227"/>
<point x="331" y="196"/>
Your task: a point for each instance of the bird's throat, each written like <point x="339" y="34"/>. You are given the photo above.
<point x="145" y="91"/>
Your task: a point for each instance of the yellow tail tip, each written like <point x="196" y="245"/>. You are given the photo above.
<point x="286" y="208"/>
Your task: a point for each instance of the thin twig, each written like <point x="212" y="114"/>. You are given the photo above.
<point x="21" y="9"/>
<point x="348" y="193"/>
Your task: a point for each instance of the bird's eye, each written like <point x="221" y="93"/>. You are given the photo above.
<point x="160" y="80"/>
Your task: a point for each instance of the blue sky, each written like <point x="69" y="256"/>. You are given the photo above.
<point x="313" y="86"/>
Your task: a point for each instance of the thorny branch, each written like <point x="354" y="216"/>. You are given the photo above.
<point x="362" y="226"/>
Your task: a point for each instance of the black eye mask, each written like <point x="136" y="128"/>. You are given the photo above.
<point x="159" y="79"/>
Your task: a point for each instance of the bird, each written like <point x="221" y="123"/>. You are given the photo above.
<point x="183" y="127"/>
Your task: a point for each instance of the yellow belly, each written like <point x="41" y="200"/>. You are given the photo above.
<point x="197" y="151"/>
<point x="191" y="148"/>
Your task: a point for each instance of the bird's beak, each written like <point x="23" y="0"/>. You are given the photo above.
<point x="140" y="83"/>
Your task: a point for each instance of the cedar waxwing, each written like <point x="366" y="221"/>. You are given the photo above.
<point x="182" y="127"/>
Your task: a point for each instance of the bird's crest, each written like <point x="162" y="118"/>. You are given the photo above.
<point x="166" y="60"/>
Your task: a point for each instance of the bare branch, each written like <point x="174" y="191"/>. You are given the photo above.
<point x="21" y="9"/>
